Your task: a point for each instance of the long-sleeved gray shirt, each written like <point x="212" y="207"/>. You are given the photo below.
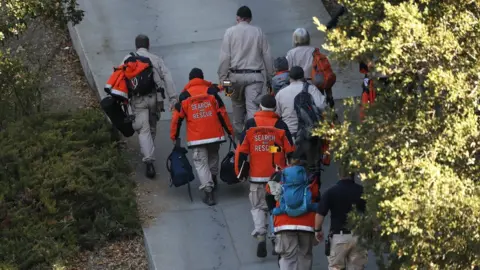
<point x="244" y="46"/>
<point x="285" y="103"/>
<point x="161" y="75"/>
<point x="301" y="56"/>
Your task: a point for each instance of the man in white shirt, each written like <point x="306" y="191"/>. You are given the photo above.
<point x="285" y="98"/>
<point x="286" y="109"/>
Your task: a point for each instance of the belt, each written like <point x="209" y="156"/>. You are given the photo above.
<point x="308" y="79"/>
<point x="341" y="232"/>
<point x="245" y="71"/>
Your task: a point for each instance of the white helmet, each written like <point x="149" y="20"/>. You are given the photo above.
<point x="300" y="37"/>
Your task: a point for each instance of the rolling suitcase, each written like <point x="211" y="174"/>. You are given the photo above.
<point x="118" y="116"/>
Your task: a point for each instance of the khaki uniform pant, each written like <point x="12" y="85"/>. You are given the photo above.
<point x="295" y="249"/>
<point x="248" y="90"/>
<point x="145" y="124"/>
<point x="346" y="254"/>
<point x="259" y="209"/>
<point x="205" y="160"/>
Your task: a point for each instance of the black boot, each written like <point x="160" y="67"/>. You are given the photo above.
<point x="209" y="199"/>
<point x="262" y="246"/>
<point x="150" y="172"/>
<point x="215" y="183"/>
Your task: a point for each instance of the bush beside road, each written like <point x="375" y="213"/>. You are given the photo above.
<point x="66" y="198"/>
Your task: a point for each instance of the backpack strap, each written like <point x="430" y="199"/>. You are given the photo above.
<point x="133" y="54"/>
<point x="305" y="87"/>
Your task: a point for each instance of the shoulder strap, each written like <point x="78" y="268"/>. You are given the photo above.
<point x="305" y="87"/>
<point x="133" y="54"/>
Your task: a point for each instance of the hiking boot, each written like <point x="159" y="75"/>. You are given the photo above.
<point x="150" y="170"/>
<point x="215" y="183"/>
<point x="209" y="199"/>
<point x="262" y="246"/>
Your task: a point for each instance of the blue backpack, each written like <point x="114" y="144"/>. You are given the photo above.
<point x="181" y="172"/>
<point x="296" y="198"/>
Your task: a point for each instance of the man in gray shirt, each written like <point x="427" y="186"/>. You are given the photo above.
<point x="309" y="149"/>
<point x="285" y="99"/>
<point x="245" y="59"/>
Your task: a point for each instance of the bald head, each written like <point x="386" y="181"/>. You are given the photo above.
<point x="142" y="41"/>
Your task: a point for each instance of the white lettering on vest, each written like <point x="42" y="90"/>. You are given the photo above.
<point x="264" y="141"/>
<point x="202" y="115"/>
<point x="201" y="106"/>
<point x="264" y="137"/>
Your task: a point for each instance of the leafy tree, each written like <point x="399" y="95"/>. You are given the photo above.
<point x="15" y="14"/>
<point x="418" y="150"/>
<point x="20" y="84"/>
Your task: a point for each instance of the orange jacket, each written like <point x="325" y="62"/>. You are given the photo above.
<point x="265" y="129"/>
<point x="205" y="112"/>
<point x="368" y="93"/>
<point x="304" y="222"/>
<point x="368" y="96"/>
<point x="116" y="84"/>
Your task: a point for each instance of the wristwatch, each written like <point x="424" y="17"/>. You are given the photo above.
<point x="317" y="230"/>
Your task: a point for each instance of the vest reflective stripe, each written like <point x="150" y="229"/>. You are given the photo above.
<point x="119" y="93"/>
<point x="293" y="228"/>
<point x="259" y="179"/>
<point x="206" y="141"/>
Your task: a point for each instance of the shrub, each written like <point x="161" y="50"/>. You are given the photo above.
<point x="16" y="13"/>
<point x="20" y="90"/>
<point x="64" y="186"/>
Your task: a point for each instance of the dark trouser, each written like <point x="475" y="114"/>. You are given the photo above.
<point x="310" y="152"/>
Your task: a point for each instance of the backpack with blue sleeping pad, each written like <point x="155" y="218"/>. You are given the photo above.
<point x="296" y="198"/>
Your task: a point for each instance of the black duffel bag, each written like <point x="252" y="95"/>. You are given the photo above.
<point x="118" y="116"/>
<point x="227" y="166"/>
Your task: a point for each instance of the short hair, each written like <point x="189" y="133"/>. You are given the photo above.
<point x="268" y="102"/>
<point x="281" y="63"/>
<point x="296" y="73"/>
<point x="195" y="73"/>
<point x="244" y="12"/>
<point x="142" y="41"/>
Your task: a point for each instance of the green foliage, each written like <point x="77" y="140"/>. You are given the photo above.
<point x="64" y="185"/>
<point x="20" y="90"/>
<point x="16" y="13"/>
<point x="418" y="150"/>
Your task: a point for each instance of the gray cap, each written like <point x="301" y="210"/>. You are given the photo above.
<point x="281" y="64"/>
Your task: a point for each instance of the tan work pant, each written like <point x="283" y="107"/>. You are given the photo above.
<point x="145" y="124"/>
<point x="345" y="253"/>
<point x="248" y="89"/>
<point x="205" y="160"/>
<point x="295" y="250"/>
<point x="259" y="209"/>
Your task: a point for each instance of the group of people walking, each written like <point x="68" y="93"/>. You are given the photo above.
<point x="267" y="132"/>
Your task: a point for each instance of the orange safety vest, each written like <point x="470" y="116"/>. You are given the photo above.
<point x="265" y="129"/>
<point x="304" y="222"/>
<point x="368" y="93"/>
<point x="199" y="104"/>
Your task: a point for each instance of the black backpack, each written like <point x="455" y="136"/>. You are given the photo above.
<point x="143" y="83"/>
<point x="309" y="115"/>
<point x="227" y="166"/>
<point x="181" y="172"/>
